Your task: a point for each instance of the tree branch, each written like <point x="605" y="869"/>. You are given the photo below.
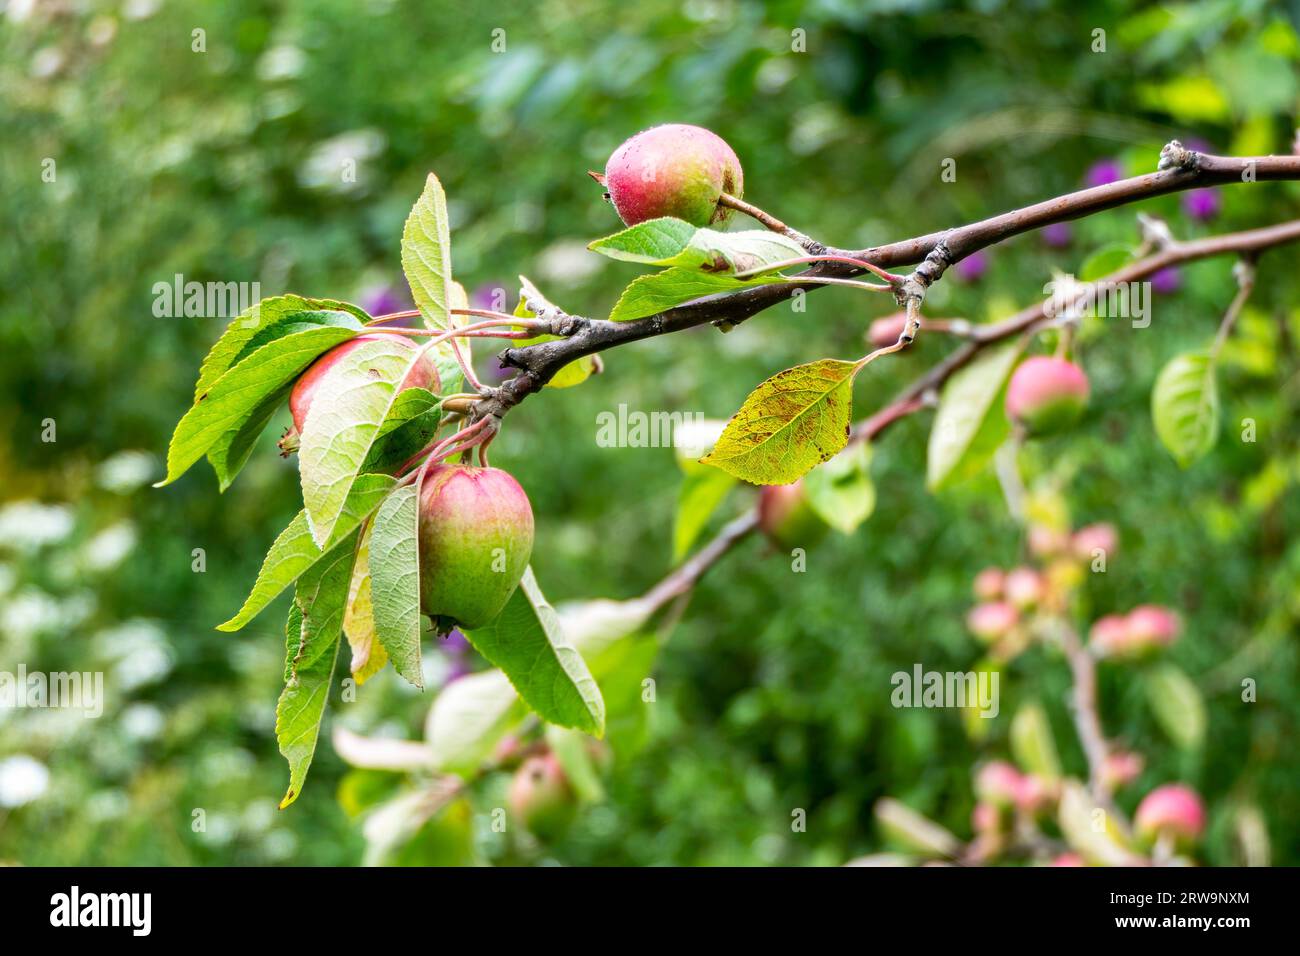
<point x="1180" y="169"/>
<point x="1250" y="242"/>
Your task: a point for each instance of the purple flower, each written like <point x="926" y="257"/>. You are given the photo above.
<point x="972" y="267"/>
<point x="491" y="295"/>
<point x="1102" y="172"/>
<point x="455" y="643"/>
<point x="1197" y="145"/>
<point x="1202" y="204"/>
<point x="383" y="300"/>
<point x="1057" y="234"/>
<point x="1167" y="281"/>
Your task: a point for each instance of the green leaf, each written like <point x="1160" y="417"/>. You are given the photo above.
<point x="232" y="450"/>
<point x="574" y="373"/>
<point x="969" y="424"/>
<point x="915" y="831"/>
<point x="1090" y="829"/>
<point x="525" y="641"/>
<point x="230" y="453"/>
<point x="410" y="425"/>
<point x="248" y="323"/>
<point x="354" y="398"/>
<point x="295" y="552"/>
<point x="238" y="394"/>
<point x="296" y="322"/>
<point x="426" y="255"/>
<point x="672" y="242"/>
<point x="312" y="638"/>
<point x="571" y="750"/>
<point x="395" y="580"/>
<point x="621" y="668"/>
<point x="469" y="718"/>
<point x="841" y="491"/>
<point x="699" y="496"/>
<point x="421" y="829"/>
<point x="1178" y="705"/>
<point x="652" y="294"/>
<point x="1032" y="743"/>
<point x="1104" y="261"/>
<point x="1185" y="407"/>
<point x="655" y="241"/>
<point x="791" y="423"/>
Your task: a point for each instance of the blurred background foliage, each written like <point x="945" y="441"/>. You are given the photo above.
<point x="774" y="691"/>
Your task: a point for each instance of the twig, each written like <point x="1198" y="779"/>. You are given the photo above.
<point x="1244" y="271"/>
<point x="1083" y="671"/>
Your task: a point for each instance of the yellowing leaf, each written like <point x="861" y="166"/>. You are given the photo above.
<point x="368" y="655"/>
<point x="791" y="423"/>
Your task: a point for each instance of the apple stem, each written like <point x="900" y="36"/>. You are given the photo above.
<point x="893" y="279"/>
<point x="443" y="448"/>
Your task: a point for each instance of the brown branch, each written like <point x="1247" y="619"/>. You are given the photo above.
<point x="1087" y="723"/>
<point x="685" y="576"/>
<point x="1249" y="243"/>
<point x="1180" y="169"/>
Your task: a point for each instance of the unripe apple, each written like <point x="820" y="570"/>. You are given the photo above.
<point x="998" y="783"/>
<point x="989" y="583"/>
<point x="424" y="374"/>
<point x="992" y="620"/>
<point x="985" y="818"/>
<point x="1151" y="626"/>
<point x="1024" y="587"/>
<point x="1068" y="859"/>
<point x="1046" y="394"/>
<point x="1174" y="810"/>
<point x="673" y="170"/>
<point x="787" y="519"/>
<point x="540" y="796"/>
<point x="1121" y="767"/>
<point x="1109" y="636"/>
<point x="1044" y="542"/>
<point x="1089" y="541"/>
<point x="1034" y="794"/>
<point x="476" y="536"/>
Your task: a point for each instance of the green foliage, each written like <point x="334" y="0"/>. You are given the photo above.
<point x="650" y="294"/>
<point x="773" y="690"/>
<point x="243" y="395"/>
<point x="672" y="242"/>
<point x="970" y="423"/>
<point x="527" y="642"/>
<point x="840" y="491"/>
<point x="394" y="557"/>
<point x="1185" y="406"/>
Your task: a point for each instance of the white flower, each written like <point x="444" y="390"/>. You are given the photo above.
<point x="126" y="471"/>
<point x="27" y="525"/>
<point x="107" y="549"/>
<point x="22" y="780"/>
